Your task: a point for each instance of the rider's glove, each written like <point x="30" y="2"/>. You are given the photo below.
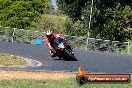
<point x="53" y="50"/>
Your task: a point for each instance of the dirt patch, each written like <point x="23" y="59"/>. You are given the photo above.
<point x="8" y="75"/>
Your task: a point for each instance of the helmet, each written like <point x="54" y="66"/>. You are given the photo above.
<point x="49" y="34"/>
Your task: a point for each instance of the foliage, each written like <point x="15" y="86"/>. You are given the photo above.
<point x="75" y="28"/>
<point x="72" y="8"/>
<point x="58" y="24"/>
<point x="109" y="20"/>
<point x="108" y="16"/>
<point x="50" y="22"/>
<point x="20" y="13"/>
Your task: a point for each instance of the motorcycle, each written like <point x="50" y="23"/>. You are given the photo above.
<point x="63" y="50"/>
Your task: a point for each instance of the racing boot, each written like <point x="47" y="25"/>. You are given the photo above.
<point x="52" y="54"/>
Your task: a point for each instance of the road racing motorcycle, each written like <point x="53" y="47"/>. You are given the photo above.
<point x="63" y="50"/>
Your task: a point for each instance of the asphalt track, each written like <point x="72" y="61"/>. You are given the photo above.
<point x="91" y="61"/>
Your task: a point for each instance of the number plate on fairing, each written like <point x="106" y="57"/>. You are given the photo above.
<point x="61" y="45"/>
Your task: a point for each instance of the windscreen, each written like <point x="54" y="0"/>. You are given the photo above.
<point x="57" y="41"/>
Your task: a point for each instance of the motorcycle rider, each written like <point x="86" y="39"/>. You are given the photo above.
<point x="49" y="41"/>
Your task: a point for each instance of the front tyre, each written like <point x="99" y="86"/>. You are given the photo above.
<point x="69" y="55"/>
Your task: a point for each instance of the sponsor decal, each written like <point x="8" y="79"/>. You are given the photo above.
<point x="83" y="77"/>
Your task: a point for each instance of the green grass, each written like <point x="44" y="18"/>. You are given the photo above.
<point x="56" y="84"/>
<point x="10" y="60"/>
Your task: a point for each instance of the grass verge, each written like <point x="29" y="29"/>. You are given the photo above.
<point x="10" y="60"/>
<point x="66" y="83"/>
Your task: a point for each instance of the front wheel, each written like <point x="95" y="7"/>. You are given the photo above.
<point x="69" y="55"/>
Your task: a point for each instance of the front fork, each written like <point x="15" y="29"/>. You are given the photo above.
<point x="69" y="48"/>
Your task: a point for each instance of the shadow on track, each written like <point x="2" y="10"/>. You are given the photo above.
<point x="65" y="59"/>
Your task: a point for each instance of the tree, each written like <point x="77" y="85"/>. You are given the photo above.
<point x="72" y="8"/>
<point x="108" y="16"/>
<point x="20" y="13"/>
<point x="109" y="19"/>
